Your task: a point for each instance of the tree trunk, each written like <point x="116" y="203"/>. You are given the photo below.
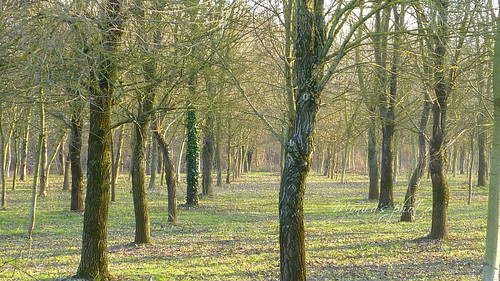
<point x="94" y="256"/>
<point x="38" y="164"/>
<point x="408" y="212"/>
<point x="491" y="268"/>
<point x="192" y="159"/>
<point x="24" y="149"/>
<point x="481" y="168"/>
<point x="169" y="176"/>
<point x="299" y="141"/>
<point x="117" y="155"/>
<point x="471" y="166"/>
<point x="218" y="152"/>
<point x="179" y="162"/>
<point x="67" y="165"/>
<point x="462" y="161"/>
<point x="208" y="155"/>
<point x="373" y="162"/>
<point x="228" y="151"/>
<point x="16" y="163"/>
<point x="43" y="171"/>
<point x="387" y="105"/>
<point x="2" y="162"/>
<point x="154" y="164"/>
<point x="437" y="165"/>
<point x="75" y="153"/>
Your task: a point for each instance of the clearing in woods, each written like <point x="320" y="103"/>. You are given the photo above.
<point x="234" y="236"/>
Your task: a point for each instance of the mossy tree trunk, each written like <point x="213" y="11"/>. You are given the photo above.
<point x="94" y="256"/>
<point x="192" y="159"/>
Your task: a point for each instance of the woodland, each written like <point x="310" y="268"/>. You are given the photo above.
<point x="250" y="140"/>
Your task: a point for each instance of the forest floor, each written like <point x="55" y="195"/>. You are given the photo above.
<point x="234" y="236"/>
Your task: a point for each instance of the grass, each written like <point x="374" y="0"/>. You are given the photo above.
<point x="235" y="235"/>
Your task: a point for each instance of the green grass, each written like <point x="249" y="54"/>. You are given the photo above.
<point x="235" y="235"/>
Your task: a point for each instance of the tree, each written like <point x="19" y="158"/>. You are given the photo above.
<point x="491" y="267"/>
<point x="94" y="257"/>
<point x="208" y="155"/>
<point x="437" y="164"/>
<point x="192" y="158"/>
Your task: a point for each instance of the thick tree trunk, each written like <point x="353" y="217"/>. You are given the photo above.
<point x="387" y="107"/>
<point x="138" y="162"/>
<point x="192" y="159"/>
<point x="94" y="256"/>
<point x="208" y="155"/>
<point x="437" y="165"/>
<point x="491" y="268"/>
<point x="75" y="153"/>
<point x="169" y="176"/>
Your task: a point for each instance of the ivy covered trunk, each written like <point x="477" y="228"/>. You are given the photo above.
<point x="192" y="159"/>
<point x="437" y="165"/>
<point x="309" y="24"/>
<point x="94" y="256"/>
<point x="75" y="152"/>
<point x="208" y="155"/>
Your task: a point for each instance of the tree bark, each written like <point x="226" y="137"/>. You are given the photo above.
<point x="437" y="165"/>
<point x="309" y="29"/>
<point x="169" y="176"/>
<point x="208" y="155"/>
<point x="491" y="268"/>
<point x="218" y="152"/>
<point x="408" y="212"/>
<point x="481" y="144"/>
<point x="16" y="163"/>
<point x="43" y="170"/>
<point x="387" y="106"/>
<point x="117" y="155"/>
<point x="94" y="256"/>
<point x="24" y="149"/>
<point x="192" y="159"/>
<point x="154" y="164"/>
<point x="75" y="153"/>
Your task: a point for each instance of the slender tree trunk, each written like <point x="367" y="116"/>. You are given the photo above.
<point x="218" y="152"/>
<point x="43" y="171"/>
<point x="2" y="162"/>
<point x="208" y="155"/>
<point x="34" y="193"/>
<point x="373" y="162"/>
<point x="179" y="162"/>
<point x="471" y="166"/>
<point x="462" y="161"/>
<point x="116" y="164"/>
<point x="24" y="149"/>
<point x="408" y="213"/>
<point x="94" y="257"/>
<point x="67" y="165"/>
<point x="481" y="168"/>
<point x="192" y="159"/>
<point x="75" y="153"/>
<point x="228" y="151"/>
<point x="154" y="164"/>
<point x="169" y="176"/>
<point x="16" y="163"/>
